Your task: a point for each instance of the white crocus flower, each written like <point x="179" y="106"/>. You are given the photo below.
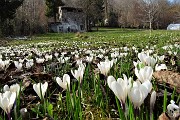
<point x="161" y="58"/>
<point x="79" y="61"/>
<point x="66" y="58"/>
<point x="7" y="100"/>
<point x="115" y="54"/>
<point x="78" y="74"/>
<point x="2" y="65"/>
<point x="13" y="88"/>
<point x="123" y="54"/>
<point x="65" y="82"/>
<point x="175" y="53"/>
<point x="89" y="59"/>
<point x="21" y="60"/>
<point x="29" y="63"/>
<point x="172" y="108"/>
<point x="170" y="52"/>
<point x="144" y="73"/>
<point x="153" y="99"/>
<point x="100" y="56"/>
<point x="105" y="67"/>
<point x="18" y="65"/>
<point x="146" y="59"/>
<point x="48" y="57"/>
<point x="61" y="60"/>
<point x="114" y="60"/>
<point x="56" y="54"/>
<point x="160" y="67"/>
<point x="42" y="90"/>
<point x="76" y="56"/>
<point x="119" y="87"/>
<point x="139" y="92"/>
<point x="40" y="60"/>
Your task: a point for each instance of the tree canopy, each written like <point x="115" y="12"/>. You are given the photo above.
<point x="8" y="9"/>
<point x="52" y="8"/>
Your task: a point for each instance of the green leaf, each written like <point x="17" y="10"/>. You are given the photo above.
<point x="50" y="109"/>
<point x="165" y="101"/>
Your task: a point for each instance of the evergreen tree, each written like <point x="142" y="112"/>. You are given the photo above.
<point x="52" y="8"/>
<point x="8" y="10"/>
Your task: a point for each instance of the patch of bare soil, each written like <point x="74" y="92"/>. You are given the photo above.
<point x="3" y="41"/>
<point x="170" y="77"/>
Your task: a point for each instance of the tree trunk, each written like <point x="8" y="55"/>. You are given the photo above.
<point x="150" y="25"/>
<point x="0" y="30"/>
<point x="0" y="33"/>
<point x="86" y="24"/>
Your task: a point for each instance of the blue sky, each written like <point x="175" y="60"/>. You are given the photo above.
<point x="171" y="0"/>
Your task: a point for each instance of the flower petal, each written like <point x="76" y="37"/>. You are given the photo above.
<point x="118" y="91"/>
<point x="110" y="79"/>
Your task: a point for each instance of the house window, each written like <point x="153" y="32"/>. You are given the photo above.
<point x="70" y="10"/>
<point x="61" y="29"/>
<point x="82" y="27"/>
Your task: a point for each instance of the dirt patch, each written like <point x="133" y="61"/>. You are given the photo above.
<point x="169" y="77"/>
<point x="3" y="42"/>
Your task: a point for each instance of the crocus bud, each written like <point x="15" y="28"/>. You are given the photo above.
<point x="25" y="114"/>
<point x="152" y="102"/>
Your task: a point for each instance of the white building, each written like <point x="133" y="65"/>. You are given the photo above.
<point x="70" y="20"/>
<point x="173" y="27"/>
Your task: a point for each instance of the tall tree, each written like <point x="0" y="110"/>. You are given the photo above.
<point x="52" y="8"/>
<point x="30" y="18"/>
<point x="150" y="9"/>
<point x="93" y="10"/>
<point x="8" y="10"/>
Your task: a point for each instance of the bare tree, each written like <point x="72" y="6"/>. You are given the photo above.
<point x="150" y="11"/>
<point x="176" y="10"/>
<point x="31" y="17"/>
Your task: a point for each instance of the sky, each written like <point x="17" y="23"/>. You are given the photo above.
<point x="174" y="0"/>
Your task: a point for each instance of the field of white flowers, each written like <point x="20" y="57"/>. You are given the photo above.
<point x="90" y="78"/>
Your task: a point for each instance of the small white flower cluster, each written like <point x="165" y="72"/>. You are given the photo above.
<point x="147" y="60"/>
<point x="105" y="66"/>
<point x="137" y="90"/>
<point x="8" y="97"/>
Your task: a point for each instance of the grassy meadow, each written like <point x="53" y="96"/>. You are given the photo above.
<point x="88" y="66"/>
<point x="111" y="36"/>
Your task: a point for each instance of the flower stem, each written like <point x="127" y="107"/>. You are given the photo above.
<point x="9" y="116"/>
<point x="136" y="113"/>
<point x="123" y="106"/>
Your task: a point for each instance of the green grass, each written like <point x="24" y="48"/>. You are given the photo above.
<point x="109" y="37"/>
